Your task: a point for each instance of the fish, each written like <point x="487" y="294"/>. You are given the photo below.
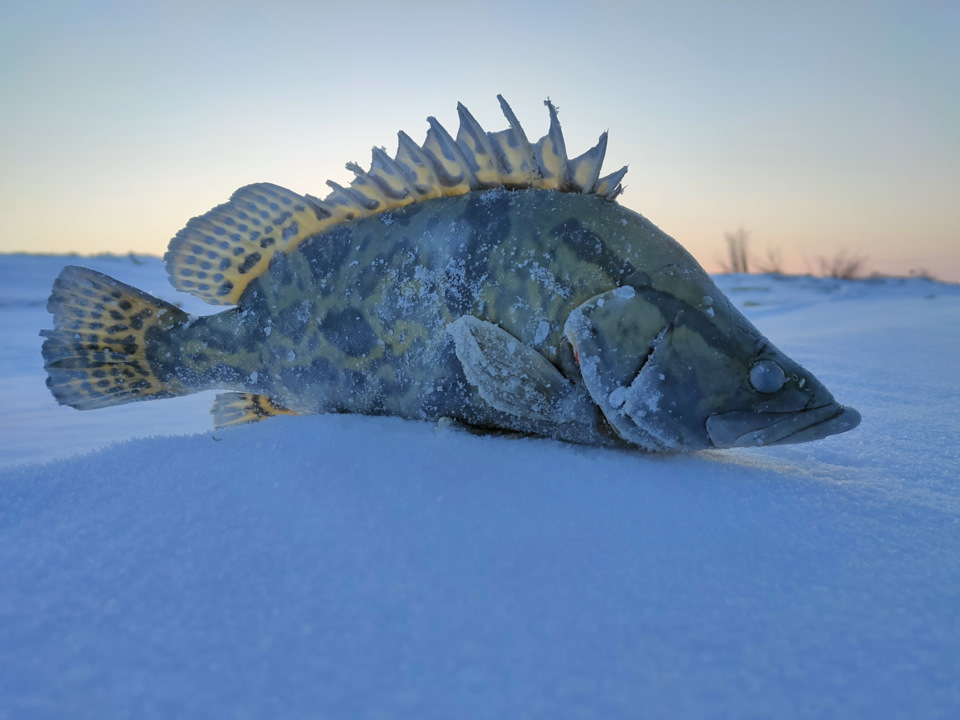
<point x="485" y="280"/>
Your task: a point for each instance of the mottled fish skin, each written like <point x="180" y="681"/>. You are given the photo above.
<point x="355" y="319"/>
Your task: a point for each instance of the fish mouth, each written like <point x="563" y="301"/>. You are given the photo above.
<point x="753" y="429"/>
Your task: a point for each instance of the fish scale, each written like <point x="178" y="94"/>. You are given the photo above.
<point x="487" y="279"/>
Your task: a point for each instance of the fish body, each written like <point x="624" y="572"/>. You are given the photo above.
<point x="524" y="301"/>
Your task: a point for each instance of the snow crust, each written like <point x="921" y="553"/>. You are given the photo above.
<point x="352" y="567"/>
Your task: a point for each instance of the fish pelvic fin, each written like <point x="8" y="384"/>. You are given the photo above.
<point x="238" y="408"/>
<point x="104" y="330"/>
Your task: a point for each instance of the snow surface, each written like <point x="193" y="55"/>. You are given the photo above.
<point x="351" y="567"/>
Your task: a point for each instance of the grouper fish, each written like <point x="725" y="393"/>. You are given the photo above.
<point x="485" y="279"/>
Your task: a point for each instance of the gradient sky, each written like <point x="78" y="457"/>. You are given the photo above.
<point x="817" y="126"/>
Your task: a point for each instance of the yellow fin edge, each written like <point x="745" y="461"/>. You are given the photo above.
<point x="238" y="408"/>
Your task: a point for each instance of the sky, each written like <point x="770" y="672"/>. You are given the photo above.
<point x="818" y="127"/>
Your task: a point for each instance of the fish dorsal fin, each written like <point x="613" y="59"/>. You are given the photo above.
<point x="477" y="150"/>
<point x="550" y="153"/>
<point x="516" y="162"/>
<point x="217" y="254"/>
<point x="451" y="168"/>
<point x="583" y="172"/>
<point x="609" y="186"/>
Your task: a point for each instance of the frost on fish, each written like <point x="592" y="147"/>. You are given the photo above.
<point x="484" y="278"/>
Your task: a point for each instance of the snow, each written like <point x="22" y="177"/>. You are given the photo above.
<point x="352" y="567"/>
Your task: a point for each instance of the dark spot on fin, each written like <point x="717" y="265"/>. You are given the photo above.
<point x="237" y="240"/>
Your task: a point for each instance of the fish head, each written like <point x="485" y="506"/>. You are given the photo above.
<point x="671" y="375"/>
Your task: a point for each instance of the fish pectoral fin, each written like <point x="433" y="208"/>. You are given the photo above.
<point x="510" y="375"/>
<point x="237" y="408"/>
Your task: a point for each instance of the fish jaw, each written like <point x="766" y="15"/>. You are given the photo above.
<point x="754" y="429"/>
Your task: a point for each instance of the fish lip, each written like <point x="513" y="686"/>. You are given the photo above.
<point x="754" y="429"/>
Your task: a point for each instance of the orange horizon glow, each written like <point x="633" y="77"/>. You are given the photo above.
<point x="123" y="122"/>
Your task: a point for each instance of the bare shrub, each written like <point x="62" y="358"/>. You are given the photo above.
<point x="773" y="264"/>
<point x="843" y="266"/>
<point x="737" y="252"/>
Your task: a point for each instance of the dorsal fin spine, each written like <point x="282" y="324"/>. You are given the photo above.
<point x="364" y="185"/>
<point x="514" y="156"/>
<point x="417" y="167"/>
<point x="609" y="186"/>
<point x="583" y="172"/>
<point x="385" y="172"/>
<point x="550" y="152"/>
<point x="346" y="203"/>
<point x="477" y="150"/>
<point x="451" y="167"/>
<point x="319" y="209"/>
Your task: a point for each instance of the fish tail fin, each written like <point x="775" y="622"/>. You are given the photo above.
<point x="105" y="335"/>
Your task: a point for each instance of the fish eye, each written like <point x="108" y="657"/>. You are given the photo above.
<point x="766" y="376"/>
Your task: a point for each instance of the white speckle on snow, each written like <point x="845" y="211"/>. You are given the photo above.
<point x="624" y="292"/>
<point x="253" y="376"/>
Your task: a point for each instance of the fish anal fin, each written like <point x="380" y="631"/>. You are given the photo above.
<point x="238" y="408"/>
<point x="217" y="254"/>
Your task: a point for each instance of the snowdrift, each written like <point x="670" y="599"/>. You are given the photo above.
<point x="351" y="567"/>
